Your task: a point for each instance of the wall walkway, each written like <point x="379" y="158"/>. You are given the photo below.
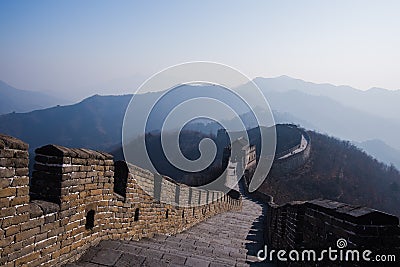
<point x="227" y="239"/>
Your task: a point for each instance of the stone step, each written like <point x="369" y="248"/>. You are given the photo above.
<point x="229" y="239"/>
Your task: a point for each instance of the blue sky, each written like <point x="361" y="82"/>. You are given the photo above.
<point x="78" y="48"/>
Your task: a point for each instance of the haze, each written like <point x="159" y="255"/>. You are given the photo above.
<point x="73" y="49"/>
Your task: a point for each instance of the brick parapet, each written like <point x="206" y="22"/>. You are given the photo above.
<point x="74" y="204"/>
<point x="318" y="224"/>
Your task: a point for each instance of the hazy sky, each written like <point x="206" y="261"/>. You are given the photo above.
<point x="78" y="48"/>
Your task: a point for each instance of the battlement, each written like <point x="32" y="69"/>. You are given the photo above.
<point x="78" y="197"/>
<point x="318" y="224"/>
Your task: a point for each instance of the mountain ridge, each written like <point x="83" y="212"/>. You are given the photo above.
<point x="349" y="96"/>
<point x="340" y="171"/>
<point x="316" y="112"/>
<point x="17" y="100"/>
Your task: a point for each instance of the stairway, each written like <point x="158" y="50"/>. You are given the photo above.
<point x="228" y="239"/>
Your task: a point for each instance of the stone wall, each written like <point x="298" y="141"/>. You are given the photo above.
<point x="293" y="162"/>
<point x="318" y="224"/>
<point x="79" y="197"/>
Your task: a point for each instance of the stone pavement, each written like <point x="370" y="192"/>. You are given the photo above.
<point x="228" y="239"/>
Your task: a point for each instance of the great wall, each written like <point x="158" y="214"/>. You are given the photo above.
<point x="71" y="204"/>
<point x="320" y="223"/>
<point x="81" y="205"/>
<point x="294" y="157"/>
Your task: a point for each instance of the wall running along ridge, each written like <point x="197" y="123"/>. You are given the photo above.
<point x="318" y="224"/>
<point x="78" y="197"/>
<point x="292" y="162"/>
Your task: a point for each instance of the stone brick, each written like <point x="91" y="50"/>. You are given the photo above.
<point x="65" y="250"/>
<point x="35" y="210"/>
<point x="22" y="191"/>
<point x="7" y="173"/>
<point x="4" y="203"/>
<point x="28" y="258"/>
<point x="12" y="230"/>
<point x="78" y="161"/>
<point x="20" y="154"/>
<point x="45" y="243"/>
<point x="50" y="218"/>
<point x="20" y="200"/>
<point x="67" y="160"/>
<point x="28" y="242"/>
<point x="2" y="259"/>
<point x="20" y="181"/>
<point x="6" y="162"/>
<point x="8" y="211"/>
<point x="12" y="247"/>
<point x="13" y="162"/>
<point x="6" y="153"/>
<point x="27" y="234"/>
<point x="7" y="192"/>
<point x="22" y="172"/>
<point x="69" y="169"/>
<point x="32" y="223"/>
<point x="85" y="168"/>
<point x="40" y="237"/>
<point x="50" y="249"/>
<point x="49" y="226"/>
<point x="23" y="209"/>
<point x="21" y="162"/>
<point x="24" y="251"/>
<point x="4" y="182"/>
<point x="55" y="232"/>
<point x="6" y="241"/>
<point x="77" y="175"/>
<point x="45" y="258"/>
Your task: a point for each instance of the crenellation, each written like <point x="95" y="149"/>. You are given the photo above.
<point x="320" y="223"/>
<point x="73" y="203"/>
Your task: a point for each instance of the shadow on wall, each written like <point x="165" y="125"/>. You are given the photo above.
<point x="319" y="224"/>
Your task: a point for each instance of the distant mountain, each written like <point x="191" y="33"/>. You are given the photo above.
<point x="96" y="122"/>
<point x="93" y="123"/>
<point x="332" y="117"/>
<point x="339" y="171"/>
<point x="376" y="101"/>
<point x="381" y="151"/>
<point x="336" y="110"/>
<point x="17" y="100"/>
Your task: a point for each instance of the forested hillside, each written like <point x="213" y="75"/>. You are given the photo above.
<point x="339" y="171"/>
